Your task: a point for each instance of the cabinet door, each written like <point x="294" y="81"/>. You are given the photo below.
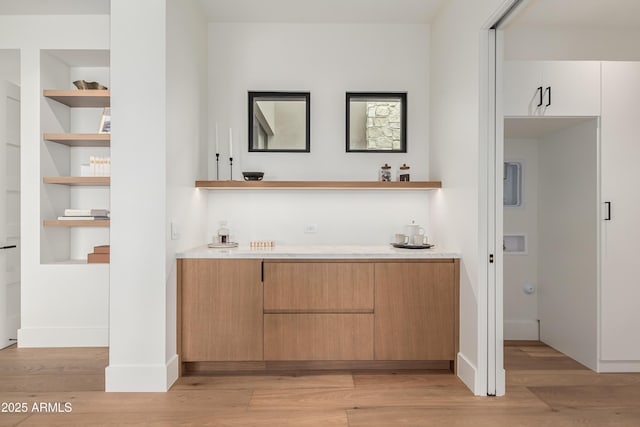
<point x="415" y="311"/>
<point x="620" y="286"/>
<point x="521" y="81"/>
<point x="221" y="310"/>
<point x="575" y="88"/>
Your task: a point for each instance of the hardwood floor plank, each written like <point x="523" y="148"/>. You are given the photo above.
<point x="600" y="396"/>
<point x="178" y="401"/>
<point x="536" y="378"/>
<point x="445" y="397"/>
<point x="219" y="418"/>
<point x="259" y="382"/>
<point x="49" y="382"/>
<point x="7" y="420"/>
<point x="407" y="380"/>
<point x="481" y="417"/>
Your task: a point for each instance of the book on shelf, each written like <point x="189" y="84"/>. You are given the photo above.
<point x="86" y="212"/>
<point x="102" y="249"/>
<point x="98" y="258"/>
<point x="82" y="218"/>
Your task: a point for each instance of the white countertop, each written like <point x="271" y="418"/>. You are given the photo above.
<point x="319" y="252"/>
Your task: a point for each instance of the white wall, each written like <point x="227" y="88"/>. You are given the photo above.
<point x="459" y="58"/>
<point x="186" y="140"/>
<point x="568" y="259"/>
<point x="521" y="309"/>
<point x="156" y="114"/>
<point x="10" y="66"/>
<point x="327" y="60"/>
<point x="62" y="305"/>
<point x="552" y="43"/>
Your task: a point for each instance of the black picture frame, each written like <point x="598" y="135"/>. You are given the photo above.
<point x="376" y="96"/>
<point x="256" y="131"/>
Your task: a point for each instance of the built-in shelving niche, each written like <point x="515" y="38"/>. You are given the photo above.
<point x="69" y="125"/>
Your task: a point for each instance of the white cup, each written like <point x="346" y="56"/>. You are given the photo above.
<point x="401" y="239"/>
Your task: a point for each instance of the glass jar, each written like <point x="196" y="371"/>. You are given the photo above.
<point x="385" y="173"/>
<point x="403" y="173"/>
<point x="223" y="233"/>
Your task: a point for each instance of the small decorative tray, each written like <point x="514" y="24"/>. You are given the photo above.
<point x="223" y="245"/>
<point x="407" y="246"/>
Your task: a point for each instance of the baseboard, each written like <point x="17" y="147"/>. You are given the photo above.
<point x="141" y="378"/>
<point x="63" y="337"/>
<point x="467" y="372"/>
<point x="619" y="366"/>
<point x="521" y="330"/>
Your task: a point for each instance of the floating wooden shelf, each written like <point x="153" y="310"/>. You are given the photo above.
<point x="81" y="98"/>
<point x="97" y="181"/>
<point x="346" y="185"/>
<point x="76" y="223"/>
<point x="80" y="139"/>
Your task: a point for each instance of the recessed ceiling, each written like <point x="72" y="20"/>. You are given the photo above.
<point x="325" y="11"/>
<point x="576" y="14"/>
<point x="57" y="7"/>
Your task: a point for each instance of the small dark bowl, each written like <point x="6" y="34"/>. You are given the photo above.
<point x="253" y="176"/>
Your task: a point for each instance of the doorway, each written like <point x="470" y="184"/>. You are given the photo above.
<point x="9" y="213"/>
<point x="550" y="233"/>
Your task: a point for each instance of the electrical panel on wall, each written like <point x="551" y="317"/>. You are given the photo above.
<point x="512" y="184"/>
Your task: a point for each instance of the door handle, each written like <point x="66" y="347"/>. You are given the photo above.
<point x="608" y="218"/>
<point x="548" y="89"/>
<point x="8" y="247"/>
<point x="541" y="96"/>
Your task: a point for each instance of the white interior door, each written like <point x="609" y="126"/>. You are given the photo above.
<point x="9" y="213"/>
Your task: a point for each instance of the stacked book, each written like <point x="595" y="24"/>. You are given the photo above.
<point x="100" y="255"/>
<point x="85" y="214"/>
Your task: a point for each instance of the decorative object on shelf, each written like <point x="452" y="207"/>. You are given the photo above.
<point x="105" y="122"/>
<point x="385" y="173"/>
<point x="376" y="122"/>
<point x="253" y="176"/>
<point x="97" y="166"/>
<point x="403" y="173"/>
<point x="280" y="121"/>
<point x="401" y="238"/>
<point x="223" y="233"/>
<point x="223" y="245"/>
<point x="262" y="244"/>
<point x="230" y="155"/>
<point x="217" y="156"/>
<point x="85" y="85"/>
<point x="100" y="255"/>
<point x="84" y="214"/>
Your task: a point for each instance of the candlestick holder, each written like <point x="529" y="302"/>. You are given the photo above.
<point x="231" y="168"/>
<point x="218" y="166"/>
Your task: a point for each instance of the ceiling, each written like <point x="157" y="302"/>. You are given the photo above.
<point x="326" y="11"/>
<point x="54" y="7"/>
<point x="604" y="14"/>
<point x="577" y="14"/>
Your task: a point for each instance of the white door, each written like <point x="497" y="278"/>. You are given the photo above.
<point x="571" y="88"/>
<point x="522" y="86"/>
<point x="9" y="213"/>
<point x="620" y="288"/>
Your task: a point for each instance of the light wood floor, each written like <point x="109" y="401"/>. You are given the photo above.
<point x="544" y="388"/>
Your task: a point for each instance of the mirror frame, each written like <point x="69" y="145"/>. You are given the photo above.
<point x="252" y="95"/>
<point x="378" y="95"/>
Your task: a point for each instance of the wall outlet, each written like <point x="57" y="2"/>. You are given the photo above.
<point x="311" y="228"/>
<point x="175" y="232"/>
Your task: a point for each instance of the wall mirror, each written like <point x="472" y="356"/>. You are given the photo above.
<point x="377" y="122"/>
<point x="279" y="121"/>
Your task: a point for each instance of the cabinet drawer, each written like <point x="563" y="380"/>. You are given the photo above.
<point x="318" y="336"/>
<point x="318" y="287"/>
